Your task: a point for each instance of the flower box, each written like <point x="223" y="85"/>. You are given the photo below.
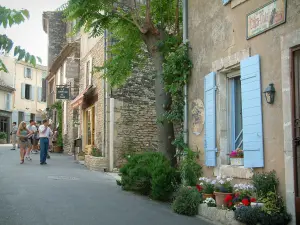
<point x="237" y="161"/>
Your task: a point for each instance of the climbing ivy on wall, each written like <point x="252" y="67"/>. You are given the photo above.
<point x="59" y="109"/>
<point x="176" y="72"/>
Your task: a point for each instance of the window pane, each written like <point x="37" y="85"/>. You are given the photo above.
<point x="238" y="113"/>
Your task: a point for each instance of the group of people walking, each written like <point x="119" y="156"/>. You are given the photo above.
<point x="29" y="137"/>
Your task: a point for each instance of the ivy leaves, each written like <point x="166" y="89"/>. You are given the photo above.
<point x="8" y="18"/>
<point x="176" y="71"/>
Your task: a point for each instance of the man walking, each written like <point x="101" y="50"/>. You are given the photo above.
<point x="14" y="135"/>
<point x="44" y="133"/>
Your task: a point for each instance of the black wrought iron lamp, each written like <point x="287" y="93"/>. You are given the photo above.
<point x="270" y="94"/>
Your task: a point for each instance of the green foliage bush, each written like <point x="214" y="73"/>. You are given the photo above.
<point x="264" y="183"/>
<point x="150" y="174"/>
<point x="187" y="201"/>
<point x="189" y="168"/>
<point x="96" y="152"/>
<point x="3" y="135"/>
<point x="254" y="216"/>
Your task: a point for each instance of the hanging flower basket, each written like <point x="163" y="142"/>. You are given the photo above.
<point x="237" y="161"/>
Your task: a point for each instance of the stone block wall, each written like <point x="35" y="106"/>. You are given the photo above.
<point x="96" y="163"/>
<point x="135" y="115"/>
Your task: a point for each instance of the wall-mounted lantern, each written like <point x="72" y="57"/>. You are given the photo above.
<point x="270" y="94"/>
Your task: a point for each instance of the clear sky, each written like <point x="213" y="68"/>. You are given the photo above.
<point x="30" y="35"/>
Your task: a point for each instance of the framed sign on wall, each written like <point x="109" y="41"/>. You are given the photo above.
<point x="266" y="17"/>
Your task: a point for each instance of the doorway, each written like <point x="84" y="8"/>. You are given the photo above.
<point x="89" y="128"/>
<point x="4" y="125"/>
<point x="295" y="66"/>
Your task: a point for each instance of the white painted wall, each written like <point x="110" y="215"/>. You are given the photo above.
<point x="24" y="105"/>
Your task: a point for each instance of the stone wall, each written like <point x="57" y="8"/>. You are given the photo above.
<point x="135" y="115"/>
<point x="96" y="163"/>
<point x="56" y="34"/>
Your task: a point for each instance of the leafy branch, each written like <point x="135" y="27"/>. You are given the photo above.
<point x="8" y="18"/>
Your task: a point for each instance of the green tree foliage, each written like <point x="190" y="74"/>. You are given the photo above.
<point x="138" y="25"/>
<point x="8" y="18"/>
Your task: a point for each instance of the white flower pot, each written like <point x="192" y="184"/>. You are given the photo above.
<point x="237" y="161"/>
<point x="256" y="204"/>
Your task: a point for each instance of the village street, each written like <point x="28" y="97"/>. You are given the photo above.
<point x="65" y="193"/>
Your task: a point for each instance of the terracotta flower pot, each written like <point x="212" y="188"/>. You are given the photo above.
<point x="205" y="196"/>
<point x="220" y="197"/>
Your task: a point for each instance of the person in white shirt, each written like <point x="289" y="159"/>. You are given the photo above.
<point x="44" y="134"/>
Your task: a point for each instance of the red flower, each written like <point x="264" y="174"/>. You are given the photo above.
<point x="253" y="200"/>
<point x="229" y="204"/>
<point x="199" y="188"/>
<point x="246" y="202"/>
<point x="228" y="198"/>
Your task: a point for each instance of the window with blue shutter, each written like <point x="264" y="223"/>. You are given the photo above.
<point x="39" y="94"/>
<point x="32" y="96"/>
<point x="210" y="119"/>
<point x="27" y="117"/>
<point x="23" y="90"/>
<point x="252" y="113"/>
<point x="8" y="101"/>
<point x="225" y="2"/>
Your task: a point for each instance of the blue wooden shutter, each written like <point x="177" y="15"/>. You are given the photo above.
<point x="225" y="2"/>
<point x="23" y="91"/>
<point x="210" y="119"/>
<point x="15" y="116"/>
<point x="32" y="93"/>
<point x="39" y="94"/>
<point x="8" y="101"/>
<point x="252" y="113"/>
<point x="27" y="117"/>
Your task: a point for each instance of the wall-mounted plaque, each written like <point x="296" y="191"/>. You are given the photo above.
<point x="266" y="17"/>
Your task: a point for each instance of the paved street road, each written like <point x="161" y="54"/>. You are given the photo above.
<point x="65" y="193"/>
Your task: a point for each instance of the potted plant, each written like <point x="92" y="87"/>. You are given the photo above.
<point x="208" y="186"/>
<point x="3" y="138"/>
<point x="243" y="194"/>
<point x="223" y="187"/>
<point x="237" y="157"/>
<point x="263" y="183"/>
<point x="210" y="202"/>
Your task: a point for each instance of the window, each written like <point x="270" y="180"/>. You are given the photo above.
<point x="27" y="72"/>
<point x="235" y="112"/>
<point x="88" y="73"/>
<point x="28" y="91"/>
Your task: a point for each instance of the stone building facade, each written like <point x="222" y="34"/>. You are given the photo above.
<point x="135" y="128"/>
<point x="238" y="49"/>
<point x="63" y="71"/>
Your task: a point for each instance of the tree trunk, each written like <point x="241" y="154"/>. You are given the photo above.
<point x="162" y="102"/>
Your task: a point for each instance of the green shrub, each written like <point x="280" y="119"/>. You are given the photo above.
<point x="96" y="152"/>
<point x="187" y="201"/>
<point x="264" y="183"/>
<point x="189" y="168"/>
<point x="248" y="215"/>
<point x="3" y="135"/>
<point x="254" y="216"/>
<point x="149" y="173"/>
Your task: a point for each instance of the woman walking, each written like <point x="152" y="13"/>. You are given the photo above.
<point x="23" y="133"/>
